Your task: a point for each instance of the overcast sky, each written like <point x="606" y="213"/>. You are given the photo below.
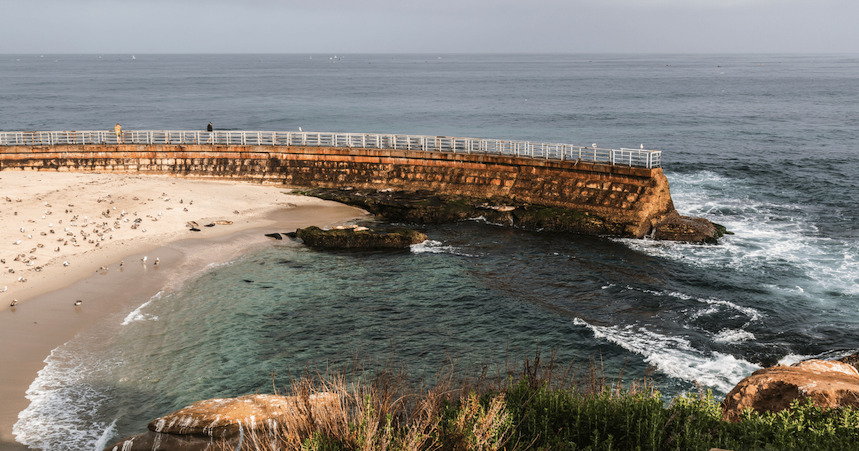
<point x="429" y="26"/>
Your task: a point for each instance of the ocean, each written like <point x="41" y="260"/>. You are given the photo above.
<point x="763" y="144"/>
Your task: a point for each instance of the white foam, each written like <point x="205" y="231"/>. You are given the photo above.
<point x="732" y="336"/>
<point x="675" y="356"/>
<point x="138" y="315"/>
<point x="768" y="234"/>
<point x="65" y="400"/>
<point x="436" y="247"/>
<point x="713" y="303"/>
<point x="109" y="432"/>
<point x="790" y="359"/>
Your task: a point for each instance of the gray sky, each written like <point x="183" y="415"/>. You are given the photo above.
<point x="429" y="26"/>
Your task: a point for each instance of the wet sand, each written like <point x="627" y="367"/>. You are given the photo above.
<point x="45" y="316"/>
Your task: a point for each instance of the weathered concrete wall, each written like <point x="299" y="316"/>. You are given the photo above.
<point x="635" y="197"/>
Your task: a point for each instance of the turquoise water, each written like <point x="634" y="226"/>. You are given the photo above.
<point x="764" y="144"/>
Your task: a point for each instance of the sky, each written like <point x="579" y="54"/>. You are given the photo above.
<point x="429" y="26"/>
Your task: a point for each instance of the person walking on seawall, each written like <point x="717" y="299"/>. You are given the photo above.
<point x="209" y="129"/>
<point x="118" y="130"/>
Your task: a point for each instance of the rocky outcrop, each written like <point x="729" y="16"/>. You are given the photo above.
<point x="223" y="421"/>
<point x="829" y="384"/>
<point x="426" y="207"/>
<point x="355" y="237"/>
<point x="684" y="228"/>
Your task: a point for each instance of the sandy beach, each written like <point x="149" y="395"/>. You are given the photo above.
<point x="112" y="242"/>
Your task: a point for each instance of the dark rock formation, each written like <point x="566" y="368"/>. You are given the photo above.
<point x="425" y="207"/>
<point x="683" y="228"/>
<point x="217" y="423"/>
<point x="359" y="238"/>
<point x="829" y="384"/>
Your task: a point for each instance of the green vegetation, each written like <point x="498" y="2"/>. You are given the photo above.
<point x="539" y="408"/>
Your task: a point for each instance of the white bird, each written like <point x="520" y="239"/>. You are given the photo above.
<point x="144" y="259"/>
<point x="642" y="147"/>
<point x="22" y="230"/>
<point x="14" y="303"/>
<point x="5" y="287"/>
<point x="299" y="129"/>
<point x="157" y="260"/>
<point x="78" y="302"/>
<point x="65" y="263"/>
<point x="594" y="145"/>
<point x="18" y="242"/>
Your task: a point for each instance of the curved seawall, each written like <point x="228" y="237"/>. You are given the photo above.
<point x="635" y="199"/>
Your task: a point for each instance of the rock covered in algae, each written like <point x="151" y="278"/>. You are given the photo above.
<point x="355" y="237"/>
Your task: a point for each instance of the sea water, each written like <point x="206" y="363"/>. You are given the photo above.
<point x="763" y="144"/>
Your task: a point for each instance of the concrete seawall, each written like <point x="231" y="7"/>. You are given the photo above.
<point x="636" y="198"/>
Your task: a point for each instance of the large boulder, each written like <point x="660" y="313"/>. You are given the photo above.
<point x="829" y="384"/>
<point x="684" y="228"/>
<point x="205" y="424"/>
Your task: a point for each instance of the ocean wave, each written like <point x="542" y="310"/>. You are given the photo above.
<point x="437" y="247"/>
<point x="138" y="315"/>
<point x="770" y="237"/>
<point x="675" y="356"/>
<point x="67" y="405"/>
<point x="713" y="303"/>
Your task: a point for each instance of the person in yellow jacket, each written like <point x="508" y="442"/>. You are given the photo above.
<point x="118" y="130"/>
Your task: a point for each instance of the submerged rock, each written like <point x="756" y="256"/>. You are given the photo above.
<point x="221" y="421"/>
<point x="829" y="384"/>
<point x="359" y="238"/>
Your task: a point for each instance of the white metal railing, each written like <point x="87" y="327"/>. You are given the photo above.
<point x="524" y="149"/>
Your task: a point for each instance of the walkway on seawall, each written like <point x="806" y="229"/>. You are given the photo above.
<point x="543" y="186"/>
<point x="523" y="149"/>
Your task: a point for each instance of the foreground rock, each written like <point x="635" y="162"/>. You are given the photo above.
<point x="355" y="237"/>
<point x="223" y="421"/>
<point x="425" y="207"/>
<point x="829" y="384"/>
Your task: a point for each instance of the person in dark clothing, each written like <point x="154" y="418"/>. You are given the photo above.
<point x="209" y="127"/>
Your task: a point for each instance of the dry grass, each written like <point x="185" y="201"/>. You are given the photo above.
<point x="387" y="412"/>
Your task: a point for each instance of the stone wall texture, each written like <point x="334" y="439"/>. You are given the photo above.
<point x="636" y="197"/>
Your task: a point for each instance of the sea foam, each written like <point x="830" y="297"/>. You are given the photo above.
<point x="138" y="315"/>
<point x="436" y="247"/>
<point x="676" y="357"/>
<point x="67" y="405"/>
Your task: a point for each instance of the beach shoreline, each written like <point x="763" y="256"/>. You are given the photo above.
<point x="112" y="278"/>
